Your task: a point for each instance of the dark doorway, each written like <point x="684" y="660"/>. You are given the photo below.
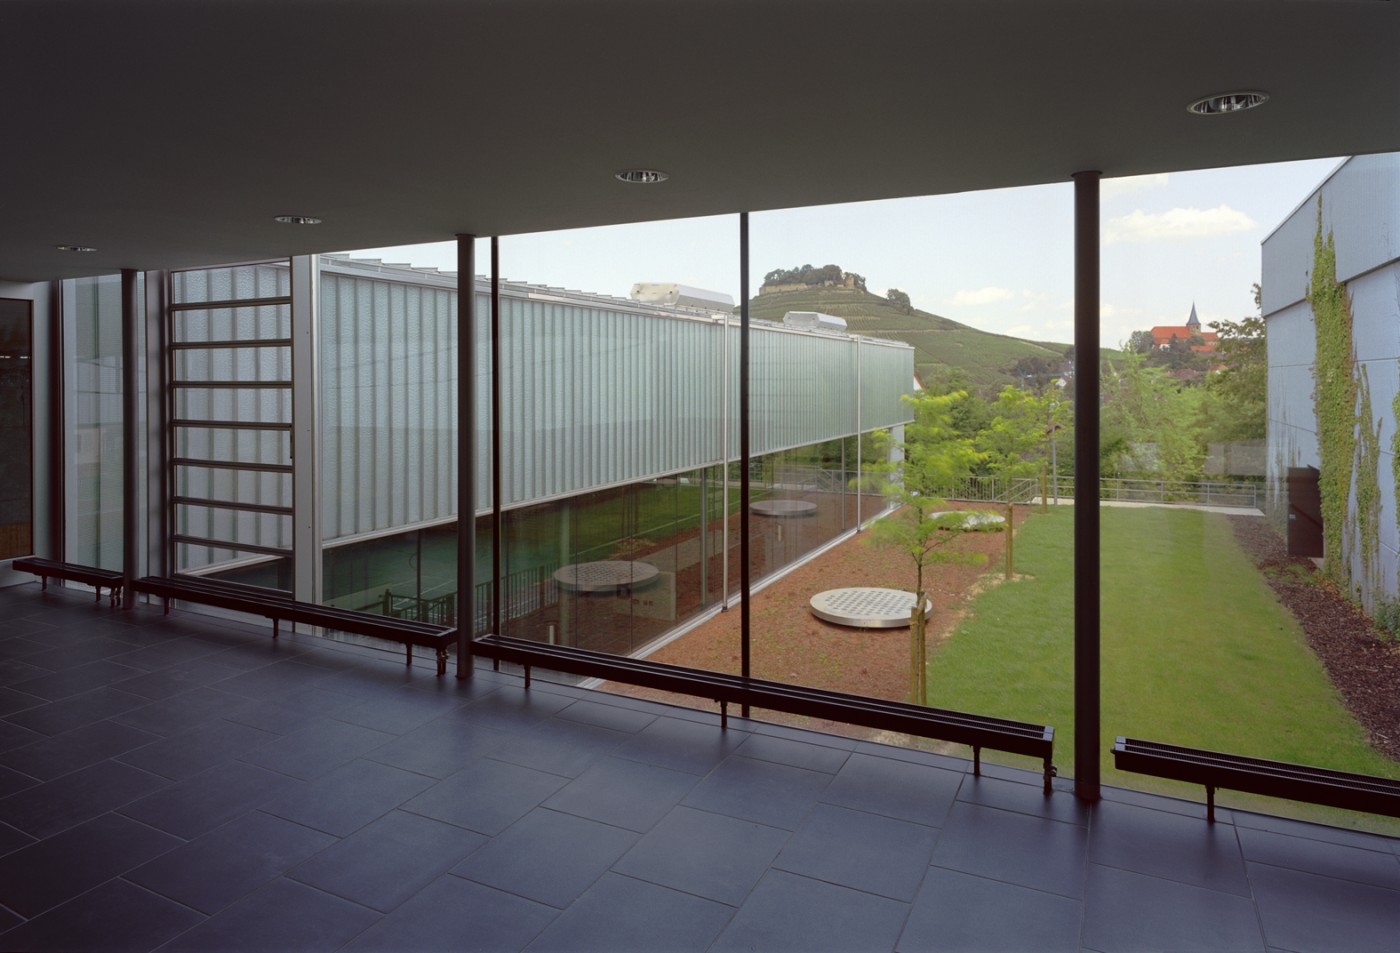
<point x="1304" y="512"/>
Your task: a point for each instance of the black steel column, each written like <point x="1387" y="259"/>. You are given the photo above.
<point x="133" y="317"/>
<point x="57" y="455"/>
<point x="466" y="452"/>
<point x="495" y="435"/>
<point x="744" y="448"/>
<point x="1086" y="486"/>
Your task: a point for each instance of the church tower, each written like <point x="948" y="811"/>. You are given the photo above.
<point x="1193" y="322"/>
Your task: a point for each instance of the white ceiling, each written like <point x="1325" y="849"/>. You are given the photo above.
<point x="169" y="132"/>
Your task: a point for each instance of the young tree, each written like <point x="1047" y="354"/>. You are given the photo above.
<point x="899" y="300"/>
<point x="914" y="474"/>
<point x="1240" y="387"/>
<point x="1017" y="441"/>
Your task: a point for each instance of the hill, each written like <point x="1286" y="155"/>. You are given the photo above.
<point x="939" y="342"/>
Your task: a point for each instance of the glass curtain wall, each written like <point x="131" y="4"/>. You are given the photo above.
<point x="613" y="424"/>
<point x="389" y="437"/>
<point x="92" y="402"/>
<point x="1248" y="413"/>
<point x="231" y="419"/>
<point x="978" y="286"/>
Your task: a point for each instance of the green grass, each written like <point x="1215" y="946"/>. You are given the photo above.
<point x="1195" y="651"/>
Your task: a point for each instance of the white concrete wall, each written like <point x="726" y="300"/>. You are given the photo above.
<point x="1360" y="207"/>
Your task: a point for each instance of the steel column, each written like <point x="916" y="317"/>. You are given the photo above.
<point x="466" y="452"/>
<point x="57" y="428"/>
<point x="158" y="442"/>
<point x="133" y="317"/>
<point x="495" y="433"/>
<point x="306" y="432"/>
<point x="744" y="571"/>
<point x="1086" y="486"/>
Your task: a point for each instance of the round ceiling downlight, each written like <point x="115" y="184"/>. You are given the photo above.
<point x="75" y="248"/>
<point x="642" y="176"/>
<point x="297" y="220"/>
<point x="1222" y="103"/>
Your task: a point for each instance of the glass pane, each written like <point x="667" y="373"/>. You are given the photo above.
<point x="16" y="429"/>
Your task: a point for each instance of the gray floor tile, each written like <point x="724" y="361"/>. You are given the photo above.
<point x="348" y="798"/>
<point x="76" y="680"/>
<point x="1306" y="913"/>
<point x="205" y="745"/>
<point x="385" y="863"/>
<point x="682" y="745"/>
<point x="199" y="804"/>
<point x="12" y="701"/>
<point x="397" y="711"/>
<point x="116" y="917"/>
<point x="1024" y="799"/>
<point x="513" y="711"/>
<point x="1168" y="845"/>
<point x="624" y="793"/>
<point x="709" y="855"/>
<point x="1126" y="912"/>
<point x="214" y="870"/>
<point x="283" y="916"/>
<point x="1014" y="848"/>
<point x="12" y="839"/>
<point x="959" y="913"/>
<point x="62" y="754"/>
<point x="621" y="914"/>
<point x="49" y="872"/>
<point x="172" y="716"/>
<point x="13" y="736"/>
<point x="777" y="795"/>
<point x="605" y="715"/>
<point x="548" y="857"/>
<point x="440" y="748"/>
<point x="269" y="681"/>
<point x="14" y="781"/>
<point x="45" y="809"/>
<point x="1381" y="868"/>
<point x="70" y="713"/>
<point x="486" y="797"/>
<point x="452" y="915"/>
<point x="560" y="747"/>
<point x="870" y="852"/>
<point x="910" y="792"/>
<point x="798" y="754"/>
<point x="317" y="748"/>
<point x="786" y="912"/>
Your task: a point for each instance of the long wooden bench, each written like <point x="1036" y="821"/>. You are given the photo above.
<point x="279" y="607"/>
<point x="87" y="575"/>
<point x="977" y="731"/>
<point x="1298" y="782"/>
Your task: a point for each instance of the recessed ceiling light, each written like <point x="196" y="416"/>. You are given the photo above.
<point x="642" y="176"/>
<point x="298" y="220"/>
<point x="1222" y="103"/>
<point x="75" y="248"/>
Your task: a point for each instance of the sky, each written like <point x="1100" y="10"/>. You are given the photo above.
<point x="1000" y="261"/>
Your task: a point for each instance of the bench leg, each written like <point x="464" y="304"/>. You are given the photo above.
<point x="1049" y="773"/>
<point x="442" y="661"/>
<point x="408" y="653"/>
<point x="724" y="716"/>
<point x="1210" y="804"/>
<point x="527" y="678"/>
<point x="98" y="596"/>
<point x="45" y="581"/>
<point x="976" y="761"/>
<point x="275" y="633"/>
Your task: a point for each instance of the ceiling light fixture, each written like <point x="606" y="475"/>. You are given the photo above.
<point x="75" y="248"/>
<point x="298" y="220"/>
<point x="642" y="176"/>
<point x="1222" y="103"/>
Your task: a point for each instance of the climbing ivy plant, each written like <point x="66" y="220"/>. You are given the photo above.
<point x="1368" y="489"/>
<point x="1334" y="400"/>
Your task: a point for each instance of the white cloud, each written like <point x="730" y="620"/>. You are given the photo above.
<point x="1128" y="184"/>
<point x="1178" y="224"/>
<point x="965" y="298"/>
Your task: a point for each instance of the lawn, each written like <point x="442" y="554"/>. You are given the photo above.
<point x="1196" y="650"/>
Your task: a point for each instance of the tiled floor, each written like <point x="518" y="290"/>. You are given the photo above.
<point x="187" y="784"/>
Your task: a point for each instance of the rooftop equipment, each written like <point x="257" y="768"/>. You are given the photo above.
<point x="681" y="296"/>
<point x="814" y="320"/>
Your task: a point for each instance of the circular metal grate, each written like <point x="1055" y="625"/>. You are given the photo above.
<point x="783" y="508"/>
<point x="866" y="607"/>
<point x="605" y="575"/>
